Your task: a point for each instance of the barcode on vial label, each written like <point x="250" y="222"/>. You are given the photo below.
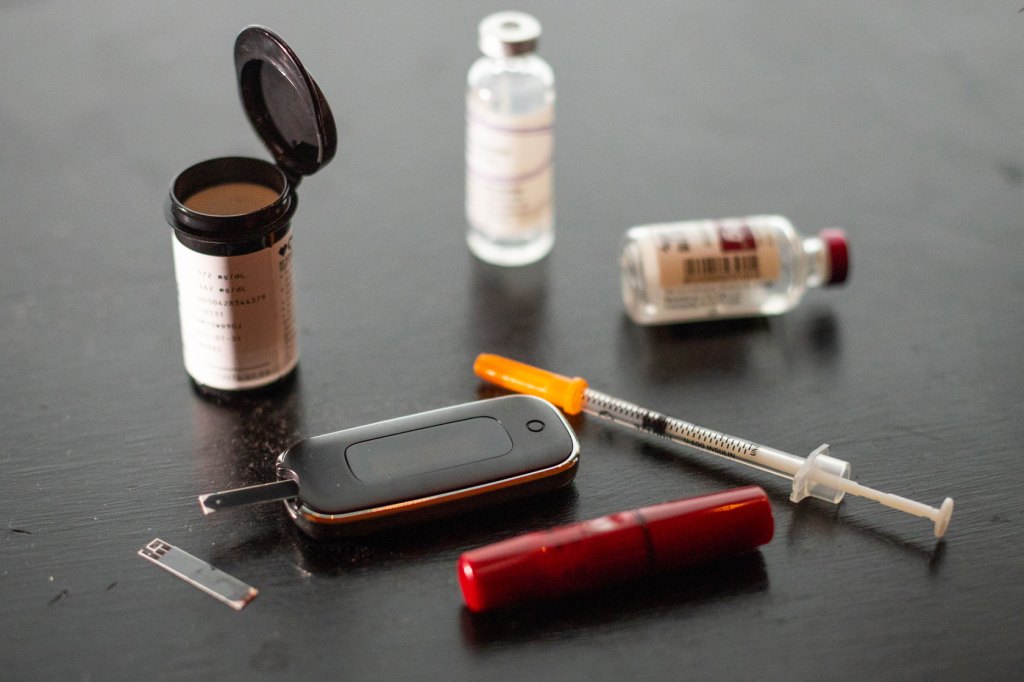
<point x="715" y="268"/>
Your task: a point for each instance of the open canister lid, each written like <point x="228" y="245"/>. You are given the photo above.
<point x="284" y="103"/>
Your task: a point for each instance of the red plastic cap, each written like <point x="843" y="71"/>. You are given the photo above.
<point x="613" y="549"/>
<point x="689" y="532"/>
<point x="472" y="594"/>
<point x="838" y="255"/>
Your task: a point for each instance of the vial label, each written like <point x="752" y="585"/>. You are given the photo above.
<point x="715" y="252"/>
<point x="508" y="170"/>
<point x="237" y="315"/>
<point x="709" y="264"/>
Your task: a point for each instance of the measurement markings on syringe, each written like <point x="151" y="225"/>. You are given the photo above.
<point x="658" y="424"/>
<point x="713" y="441"/>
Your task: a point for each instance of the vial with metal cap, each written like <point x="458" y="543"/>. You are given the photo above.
<point x="231" y="218"/>
<point x="733" y="267"/>
<point x="510" y="110"/>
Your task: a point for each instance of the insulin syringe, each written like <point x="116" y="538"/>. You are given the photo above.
<point x="817" y="475"/>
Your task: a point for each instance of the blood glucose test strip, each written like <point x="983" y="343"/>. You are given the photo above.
<point x="200" y="574"/>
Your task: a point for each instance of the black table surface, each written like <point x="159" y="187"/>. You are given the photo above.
<point x="900" y="122"/>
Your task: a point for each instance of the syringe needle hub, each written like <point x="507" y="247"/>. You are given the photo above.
<point x="565" y="392"/>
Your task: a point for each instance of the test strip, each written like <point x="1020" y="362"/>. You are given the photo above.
<point x="254" y="494"/>
<point x="198" y="573"/>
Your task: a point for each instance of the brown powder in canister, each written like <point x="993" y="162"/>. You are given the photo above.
<point x="231" y="198"/>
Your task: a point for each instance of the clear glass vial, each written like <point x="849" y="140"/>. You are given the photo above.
<point x="510" y="110"/>
<point x="734" y="267"/>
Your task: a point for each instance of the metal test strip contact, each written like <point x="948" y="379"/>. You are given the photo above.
<point x="198" y="573"/>
<point x="253" y="494"/>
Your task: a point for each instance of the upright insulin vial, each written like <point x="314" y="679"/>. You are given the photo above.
<point x="510" y="112"/>
<point x="735" y="267"/>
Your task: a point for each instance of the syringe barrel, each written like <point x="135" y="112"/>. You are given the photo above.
<point x="683" y="432"/>
<point x="713" y="442"/>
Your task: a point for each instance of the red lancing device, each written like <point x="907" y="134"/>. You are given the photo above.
<point x="620" y="547"/>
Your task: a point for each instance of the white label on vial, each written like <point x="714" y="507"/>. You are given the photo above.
<point x="237" y="316"/>
<point x="508" y="170"/>
<point x="702" y="263"/>
<point x="712" y="252"/>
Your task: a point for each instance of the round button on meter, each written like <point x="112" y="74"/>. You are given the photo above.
<point x="535" y="425"/>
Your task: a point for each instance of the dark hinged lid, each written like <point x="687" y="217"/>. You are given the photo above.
<point x="284" y="103"/>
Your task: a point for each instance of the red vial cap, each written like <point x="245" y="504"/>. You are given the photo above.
<point x="612" y="549"/>
<point x="838" y="254"/>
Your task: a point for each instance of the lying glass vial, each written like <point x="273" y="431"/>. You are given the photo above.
<point x="728" y="268"/>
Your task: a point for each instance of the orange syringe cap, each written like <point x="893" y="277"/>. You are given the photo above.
<point x="565" y="392"/>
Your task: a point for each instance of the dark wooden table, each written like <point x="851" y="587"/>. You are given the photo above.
<point x="900" y="123"/>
